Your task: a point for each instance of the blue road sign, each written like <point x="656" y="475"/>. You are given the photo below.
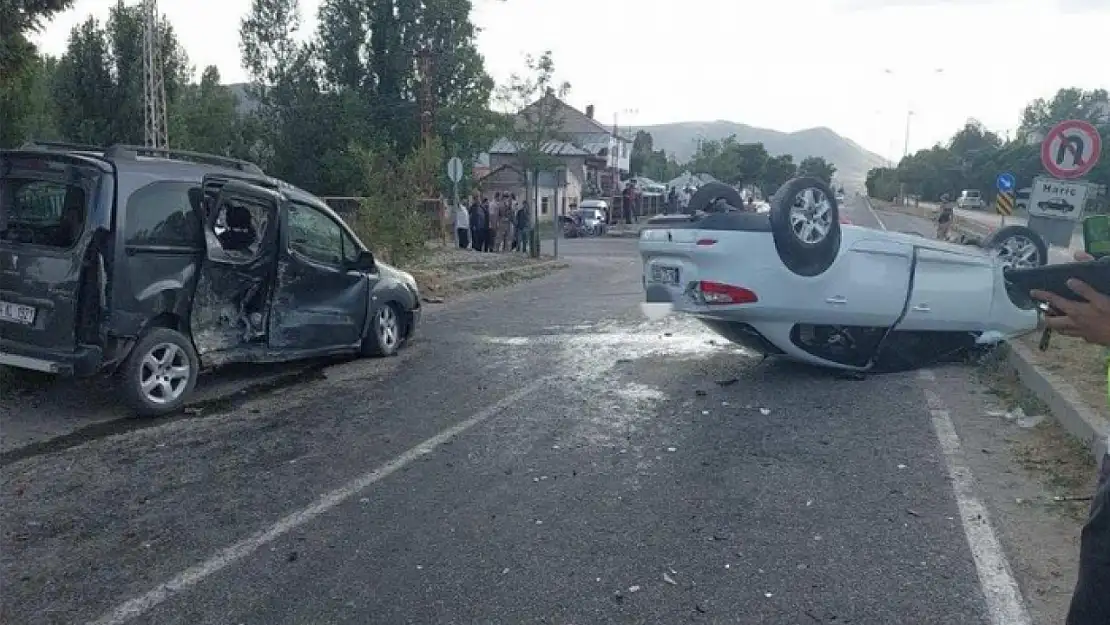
<point x="1006" y="182"/>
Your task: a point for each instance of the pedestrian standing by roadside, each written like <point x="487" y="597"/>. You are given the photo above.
<point x="487" y="245"/>
<point x="462" y="225"/>
<point x="494" y="221"/>
<point x="1090" y="321"/>
<point x="524" y="227"/>
<point x="944" y="218"/>
<point x="476" y="225"/>
<point x="505" y="224"/>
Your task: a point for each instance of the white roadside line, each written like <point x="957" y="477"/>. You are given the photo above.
<point x="867" y="202"/>
<point x="230" y="555"/>
<point x="1005" y="604"/>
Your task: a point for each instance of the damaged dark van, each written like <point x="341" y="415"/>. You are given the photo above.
<point x="151" y="265"/>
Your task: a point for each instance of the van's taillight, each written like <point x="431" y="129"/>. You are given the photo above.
<point x="717" y="293"/>
<point x="707" y="241"/>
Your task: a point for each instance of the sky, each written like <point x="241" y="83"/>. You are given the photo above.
<point x="856" y="66"/>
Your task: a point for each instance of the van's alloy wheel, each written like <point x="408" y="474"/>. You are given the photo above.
<point x="388" y="328"/>
<point x="160" y="372"/>
<point x="386" y="332"/>
<point x="164" y="373"/>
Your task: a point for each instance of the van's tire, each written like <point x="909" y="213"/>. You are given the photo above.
<point x="805" y="257"/>
<point x="1016" y="246"/>
<point x="386" y="331"/>
<point x="167" y="359"/>
<point x="708" y="193"/>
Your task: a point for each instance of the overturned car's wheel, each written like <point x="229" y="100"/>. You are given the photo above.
<point x="805" y="221"/>
<point x="1017" y="246"/>
<point x="705" y="198"/>
<point x="160" y="372"/>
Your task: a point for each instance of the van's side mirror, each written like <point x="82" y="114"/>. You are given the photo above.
<point x="364" y="262"/>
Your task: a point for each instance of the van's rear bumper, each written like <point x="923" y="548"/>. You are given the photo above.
<point x="84" y="361"/>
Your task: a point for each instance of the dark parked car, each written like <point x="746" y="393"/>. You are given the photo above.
<point x="155" y="264"/>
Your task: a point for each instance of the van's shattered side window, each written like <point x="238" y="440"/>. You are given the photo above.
<point x="239" y="227"/>
<point x="42" y="212"/>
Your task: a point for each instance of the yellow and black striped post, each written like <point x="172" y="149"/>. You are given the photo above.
<point x="1004" y="204"/>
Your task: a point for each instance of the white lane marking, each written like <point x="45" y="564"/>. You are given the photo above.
<point x="1005" y="604"/>
<point x="227" y="556"/>
<point x="867" y="202"/>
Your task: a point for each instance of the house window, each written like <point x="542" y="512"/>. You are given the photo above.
<point x="544" y="205"/>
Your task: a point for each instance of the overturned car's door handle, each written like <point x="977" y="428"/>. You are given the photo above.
<point x="837" y="299"/>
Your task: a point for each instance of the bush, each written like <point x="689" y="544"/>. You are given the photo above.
<point x="391" y="219"/>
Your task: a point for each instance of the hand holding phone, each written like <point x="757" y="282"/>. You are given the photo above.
<point x="1079" y="292"/>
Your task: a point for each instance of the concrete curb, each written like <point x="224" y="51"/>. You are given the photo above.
<point x="1073" y="414"/>
<point x="501" y="272"/>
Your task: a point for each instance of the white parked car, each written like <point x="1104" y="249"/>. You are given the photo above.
<point x="798" y="282"/>
<point x="970" y="199"/>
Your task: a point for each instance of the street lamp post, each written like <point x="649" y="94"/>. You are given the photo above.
<point x="909" y="108"/>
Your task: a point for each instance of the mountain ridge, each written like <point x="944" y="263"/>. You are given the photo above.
<point x="852" y="161"/>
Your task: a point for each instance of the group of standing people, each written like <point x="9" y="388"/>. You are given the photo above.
<point x="500" y="225"/>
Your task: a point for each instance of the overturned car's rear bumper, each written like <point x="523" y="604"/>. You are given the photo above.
<point x="84" y="361"/>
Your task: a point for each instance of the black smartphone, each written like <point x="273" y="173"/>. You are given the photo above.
<point x="1054" y="278"/>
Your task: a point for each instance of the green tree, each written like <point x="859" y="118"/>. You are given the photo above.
<point x="369" y="49"/>
<point x="209" y="119"/>
<point x="776" y="171"/>
<point x="99" y="84"/>
<point x="817" y="167"/>
<point x="17" y="19"/>
<point x="301" y="126"/>
<point x="27" y="108"/>
<point x="1072" y="103"/>
<point x="536" y="121"/>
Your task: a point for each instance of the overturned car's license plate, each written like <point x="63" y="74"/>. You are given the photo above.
<point x="17" y="313"/>
<point x="664" y="275"/>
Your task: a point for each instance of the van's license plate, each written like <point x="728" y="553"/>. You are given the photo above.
<point x="664" y="275"/>
<point x="17" y="313"/>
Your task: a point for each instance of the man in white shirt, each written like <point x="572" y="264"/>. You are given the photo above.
<point x="462" y="226"/>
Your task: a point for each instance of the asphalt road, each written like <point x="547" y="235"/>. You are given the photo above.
<point x="542" y="454"/>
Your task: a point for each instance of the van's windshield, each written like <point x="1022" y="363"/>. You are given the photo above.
<point x="43" y="203"/>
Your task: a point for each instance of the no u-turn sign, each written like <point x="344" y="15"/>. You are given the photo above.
<point x="1071" y="149"/>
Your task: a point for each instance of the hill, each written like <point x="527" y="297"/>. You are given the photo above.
<point x="852" y="161"/>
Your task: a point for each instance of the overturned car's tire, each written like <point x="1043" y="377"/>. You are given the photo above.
<point x="1017" y="246"/>
<point x="705" y="198"/>
<point x="805" y="221"/>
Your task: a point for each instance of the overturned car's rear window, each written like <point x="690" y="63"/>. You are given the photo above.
<point x="44" y="201"/>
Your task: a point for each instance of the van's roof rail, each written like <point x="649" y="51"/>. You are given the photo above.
<point x="125" y="151"/>
<point x="211" y="159"/>
<point x="61" y="145"/>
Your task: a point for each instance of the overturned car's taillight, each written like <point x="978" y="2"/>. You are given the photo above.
<point x="716" y="293"/>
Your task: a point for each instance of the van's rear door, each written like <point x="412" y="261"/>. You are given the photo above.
<point x="46" y="206"/>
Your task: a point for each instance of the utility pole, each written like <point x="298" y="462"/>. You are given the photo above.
<point x="906" y="148"/>
<point x="156" y="132"/>
<point x="424" y="68"/>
